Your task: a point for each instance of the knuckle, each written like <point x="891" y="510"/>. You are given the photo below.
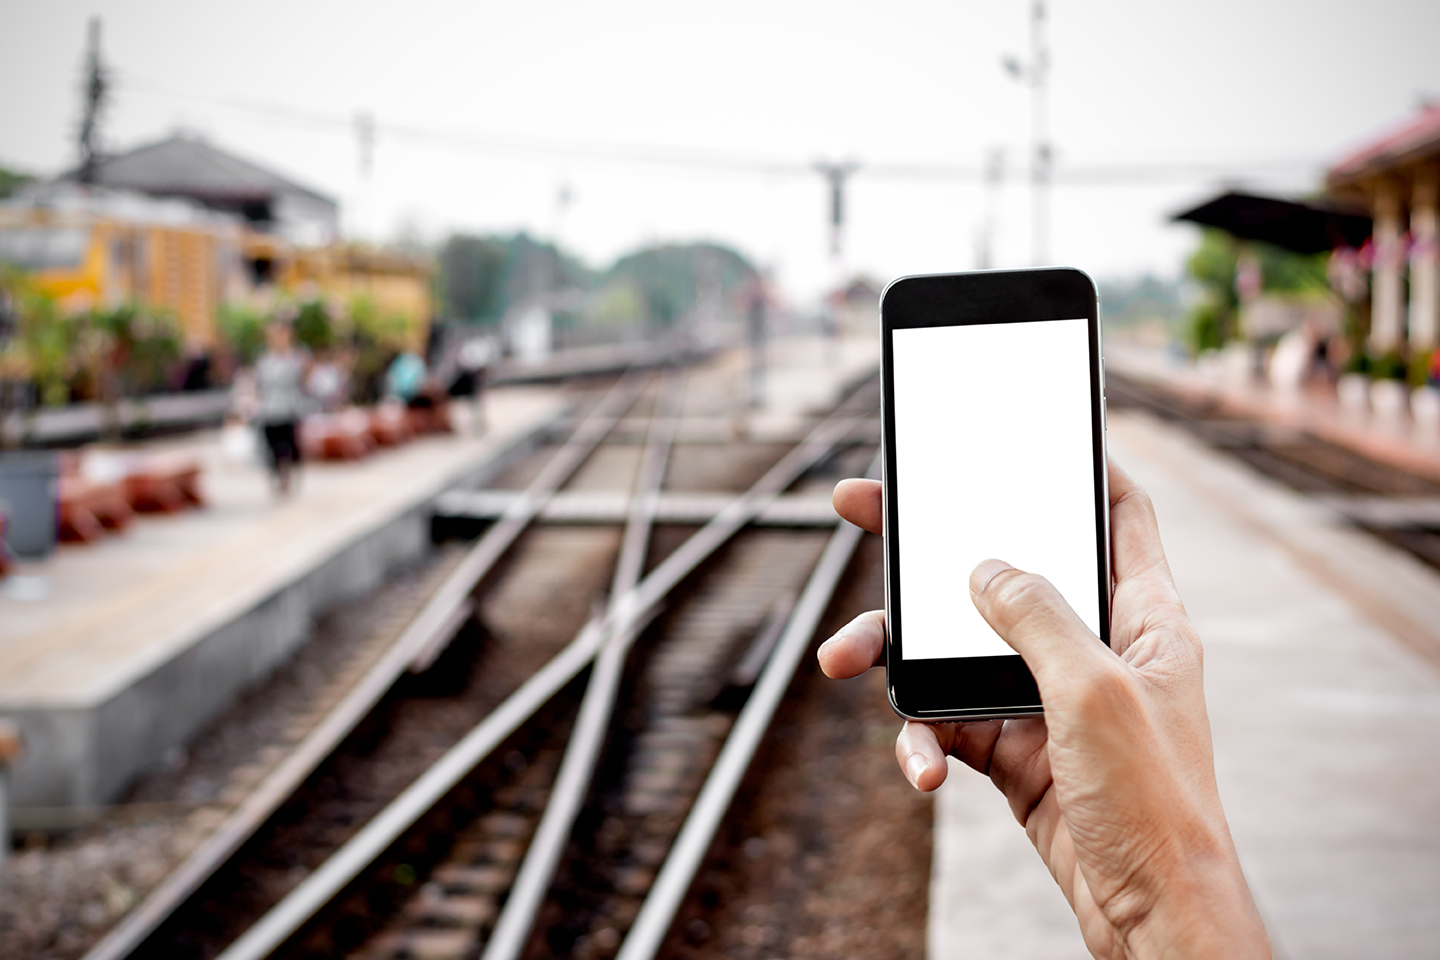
<point x="1018" y="594"/>
<point x="1139" y="498"/>
<point x="1107" y="693"/>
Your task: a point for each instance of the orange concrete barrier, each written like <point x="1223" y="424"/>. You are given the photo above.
<point x="432" y="419"/>
<point x="164" y="485"/>
<point x="390" y="426"/>
<point x="88" y="509"/>
<point x="337" y="436"/>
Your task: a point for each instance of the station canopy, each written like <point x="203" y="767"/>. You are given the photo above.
<point x="1313" y="227"/>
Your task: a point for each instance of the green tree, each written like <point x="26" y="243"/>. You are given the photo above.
<point x="668" y="276"/>
<point x="317" y="325"/>
<point x="41" y="349"/>
<point x="377" y="338"/>
<point x="143" y="346"/>
<point x="482" y="278"/>
<point x="242" y="330"/>
<point x="11" y="180"/>
<point x="472" y="275"/>
<point x="1215" y="318"/>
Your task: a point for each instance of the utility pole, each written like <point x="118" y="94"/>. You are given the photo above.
<point x="365" y="139"/>
<point x="985" y="238"/>
<point x="360" y="213"/>
<point x="836" y="175"/>
<point x="97" y="86"/>
<point x="1036" y="73"/>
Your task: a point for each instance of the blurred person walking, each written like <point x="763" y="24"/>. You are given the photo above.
<point x="280" y="375"/>
<point x="471" y="362"/>
<point x="328" y="382"/>
<point x="405" y="377"/>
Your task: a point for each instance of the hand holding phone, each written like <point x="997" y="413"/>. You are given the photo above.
<point x="1115" y="784"/>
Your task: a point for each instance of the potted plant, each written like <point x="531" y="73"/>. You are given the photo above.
<point x="1353" y="386"/>
<point x="1389" y="394"/>
<point x="1425" y="395"/>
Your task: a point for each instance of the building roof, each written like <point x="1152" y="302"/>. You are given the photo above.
<point x="186" y="166"/>
<point x="1415" y="140"/>
<point x="1301" y="226"/>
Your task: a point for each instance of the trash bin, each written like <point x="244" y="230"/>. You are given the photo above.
<point x="29" y="482"/>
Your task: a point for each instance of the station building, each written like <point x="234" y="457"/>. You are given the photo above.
<point x="1397" y="178"/>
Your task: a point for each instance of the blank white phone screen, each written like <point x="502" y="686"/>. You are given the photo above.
<point x="994" y="458"/>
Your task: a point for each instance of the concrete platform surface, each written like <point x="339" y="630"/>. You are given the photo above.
<point x="1321" y="650"/>
<point x="145" y="634"/>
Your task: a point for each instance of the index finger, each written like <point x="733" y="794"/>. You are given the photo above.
<point x="1134" y="532"/>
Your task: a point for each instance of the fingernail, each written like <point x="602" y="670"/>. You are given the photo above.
<point x="983" y="574"/>
<point x="914" y="766"/>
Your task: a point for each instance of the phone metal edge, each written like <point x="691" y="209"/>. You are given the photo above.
<point x="1098" y="368"/>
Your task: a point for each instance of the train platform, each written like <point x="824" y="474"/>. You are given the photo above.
<point x="1375" y="423"/>
<point x="1322" y="675"/>
<point x="117" y="651"/>
<point x="132" y="643"/>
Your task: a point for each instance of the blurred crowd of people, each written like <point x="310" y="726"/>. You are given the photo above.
<point x="289" y="384"/>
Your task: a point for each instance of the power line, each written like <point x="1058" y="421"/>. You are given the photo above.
<point x="1097" y="174"/>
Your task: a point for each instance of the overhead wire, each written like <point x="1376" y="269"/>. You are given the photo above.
<point x="1093" y="174"/>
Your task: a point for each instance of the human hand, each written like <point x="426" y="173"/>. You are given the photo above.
<point x="1115" y="784"/>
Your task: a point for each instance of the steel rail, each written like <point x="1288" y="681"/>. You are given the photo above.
<point x="361" y="850"/>
<point x="434" y="625"/>
<point x="527" y="894"/>
<point x="748" y="505"/>
<point x="287" y="917"/>
<point x="572" y="782"/>
<point x="657" y="913"/>
<point x="425" y="634"/>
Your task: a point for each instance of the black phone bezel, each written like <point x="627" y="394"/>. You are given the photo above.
<point x="966" y="688"/>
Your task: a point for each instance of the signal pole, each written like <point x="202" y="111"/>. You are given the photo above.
<point x="1036" y="73"/>
<point x="836" y="174"/>
<point x="97" y="86"/>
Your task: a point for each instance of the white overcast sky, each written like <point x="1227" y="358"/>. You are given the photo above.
<point x="1247" y="84"/>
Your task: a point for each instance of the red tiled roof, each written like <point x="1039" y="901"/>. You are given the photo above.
<point x="1414" y="139"/>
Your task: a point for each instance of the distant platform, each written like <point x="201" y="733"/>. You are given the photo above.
<point x="1393" y="437"/>
<point x="145" y="635"/>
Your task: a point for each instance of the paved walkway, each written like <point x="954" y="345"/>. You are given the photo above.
<point x="1321" y="652"/>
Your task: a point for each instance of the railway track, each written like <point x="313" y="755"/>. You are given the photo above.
<point x="1399" y="507"/>
<point x="569" y="813"/>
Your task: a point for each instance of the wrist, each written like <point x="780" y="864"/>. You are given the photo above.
<point x="1206" y="912"/>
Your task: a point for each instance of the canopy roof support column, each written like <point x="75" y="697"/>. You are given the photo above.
<point x="1387" y="317"/>
<point x="1425" y="259"/>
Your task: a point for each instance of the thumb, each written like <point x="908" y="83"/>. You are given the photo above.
<point x="1029" y="614"/>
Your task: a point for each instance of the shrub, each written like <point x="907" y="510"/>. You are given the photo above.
<point x="242" y="331"/>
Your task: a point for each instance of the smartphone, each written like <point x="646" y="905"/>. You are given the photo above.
<point x="994" y="435"/>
